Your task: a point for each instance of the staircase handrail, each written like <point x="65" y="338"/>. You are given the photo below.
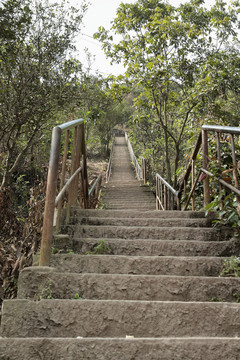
<point x="109" y="168"/>
<point x="93" y="193"/>
<point x="203" y="139"/>
<point x="168" y="198"/>
<point x="140" y="170"/>
<point x="165" y="194"/>
<point x="53" y="200"/>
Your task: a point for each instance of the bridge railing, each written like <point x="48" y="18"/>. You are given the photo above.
<point x="140" y="170"/>
<point x="60" y="191"/>
<point x="169" y="198"/>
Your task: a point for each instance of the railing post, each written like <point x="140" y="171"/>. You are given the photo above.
<point x="157" y="193"/>
<point x="144" y="170"/>
<point x="219" y="163"/>
<point x="206" y="188"/>
<point x="46" y="244"/>
<point x="235" y="177"/>
<point x="193" y="175"/>
<point x="64" y="166"/>
<point x="165" y="197"/>
<point x="73" y="169"/>
<point x="84" y="168"/>
<point x="178" y="203"/>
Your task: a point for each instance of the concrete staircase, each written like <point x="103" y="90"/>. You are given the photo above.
<point x="139" y="285"/>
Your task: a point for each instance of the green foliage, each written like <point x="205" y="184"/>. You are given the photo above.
<point x="184" y="65"/>
<point x="45" y="291"/>
<point x="231" y="267"/>
<point x="228" y="215"/>
<point x="236" y="297"/>
<point x="36" y="78"/>
<point x="216" y="299"/>
<point x="70" y="251"/>
<point x="224" y="202"/>
<point x="100" y="249"/>
<point x="103" y="111"/>
<point x="53" y="251"/>
<point x="77" y="297"/>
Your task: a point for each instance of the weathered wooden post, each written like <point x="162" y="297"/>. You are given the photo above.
<point x="46" y="244"/>
<point x="206" y="188"/>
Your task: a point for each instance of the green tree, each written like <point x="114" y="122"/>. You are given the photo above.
<point x="180" y="58"/>
<point x="37" y="74"/>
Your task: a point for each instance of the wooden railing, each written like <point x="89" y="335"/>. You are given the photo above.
<point x="70" y="192"/>
<point x="169" y="198"/>
<point x="140" y="170"/>
<point x="109" y="168"/>
<point x="165" y="195"/>
<point x="93" y="193"/>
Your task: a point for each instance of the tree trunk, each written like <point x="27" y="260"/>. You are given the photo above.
<point x="166" y="136"/>
<point x="177" y="158"/>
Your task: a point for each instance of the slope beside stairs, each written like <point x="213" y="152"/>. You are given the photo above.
<point x="128" y="282"/>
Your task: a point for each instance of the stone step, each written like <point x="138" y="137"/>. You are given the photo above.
<point x="147" y="247"/>
<point x="138" y="196"/>
<point x="118" y="318"/>
<point x="148" y="265"/>
<point x="128" y="197"/>
<point x="113" y="190"/>
<point x="43" y="282"/>
<point x="201" y="222"/>
<point x="145" y="232"/>
<point x="207" y="348"/>
<point x="124" y="188"/>
<point x="76" y="211"/>
<point x="117" y="193"/>
<point x="136" y="206"/>
<point x="127" y="203"/>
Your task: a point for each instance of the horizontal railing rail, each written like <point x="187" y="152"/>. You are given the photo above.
<point x="222" y="129"/>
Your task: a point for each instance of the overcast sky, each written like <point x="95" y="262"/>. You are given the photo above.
<point x="101" y="13"/>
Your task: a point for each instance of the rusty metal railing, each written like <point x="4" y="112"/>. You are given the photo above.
<point x="78" y="166"/>
<point x="140" y="170"/>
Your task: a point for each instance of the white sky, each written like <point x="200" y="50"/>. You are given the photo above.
<point x="101" y="13"/>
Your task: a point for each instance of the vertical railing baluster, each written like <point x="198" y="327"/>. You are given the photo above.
<point x="193" y="175"/>
<point x="73" y="168"/>
<point x="77" y="164"/>
<point x="46" y="243"/>
<point x="234" y="160"/>
<point x="184" y="189"/>
<point x="165" y="197"/>
<point x="62" y="181"/>
<point x="161" y="189"/>
<point x="84" y="168"/>
<point x="219" y="163"/>
<point x="235" y="176"/>
<point x="168" y="199"/>
<point x="206" y="187"/>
